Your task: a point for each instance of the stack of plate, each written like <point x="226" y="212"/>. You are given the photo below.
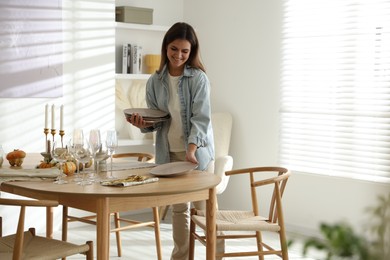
<point x="173" y="168"/>
<point x="149" y="115"/>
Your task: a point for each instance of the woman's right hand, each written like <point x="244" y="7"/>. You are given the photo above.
<point x="137" y="121"/>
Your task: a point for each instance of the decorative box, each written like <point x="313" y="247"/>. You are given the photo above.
<point x="130" y="14"/>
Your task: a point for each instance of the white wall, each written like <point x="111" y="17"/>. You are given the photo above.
<point x="89" y="84"/>
<point x="240" y="43"/>
<point x="88" y="80"/>
<point x="88" y="89"/>
<point x="88" y="73"/>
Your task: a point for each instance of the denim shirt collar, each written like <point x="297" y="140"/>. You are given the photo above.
<point x="186" y="73"/>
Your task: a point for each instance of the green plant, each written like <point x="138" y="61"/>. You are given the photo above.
<point x="339" y="241"/>
<point x="380" y="229"/>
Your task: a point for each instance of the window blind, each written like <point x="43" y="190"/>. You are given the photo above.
<point x="335" y="88"/>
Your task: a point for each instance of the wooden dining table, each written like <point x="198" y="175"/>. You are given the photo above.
<point x="104" y="200"/>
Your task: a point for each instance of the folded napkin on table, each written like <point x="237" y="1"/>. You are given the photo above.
<point x="130" y="181"/>
<point x="47" y="172"/>
<point x="8" y="174"/>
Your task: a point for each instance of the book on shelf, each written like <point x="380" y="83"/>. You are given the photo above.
<point x="136" y="57"/>
<point x="131" y="59"/>
<point x="126" y="58"/>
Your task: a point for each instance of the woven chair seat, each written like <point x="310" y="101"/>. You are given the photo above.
<point x="232" y="220"/>
<point x="35" y="245"/>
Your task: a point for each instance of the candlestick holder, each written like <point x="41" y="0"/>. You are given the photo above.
<point x="46" y="132"/>
<point x="62" y="133"/>
<point x="53" y="133"/>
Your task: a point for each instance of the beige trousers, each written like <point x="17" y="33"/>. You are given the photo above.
<point x="181" y="220"/>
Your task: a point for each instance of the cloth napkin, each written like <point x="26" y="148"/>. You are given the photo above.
<point x="131" y="180"/>
<point x="8" y="174"/>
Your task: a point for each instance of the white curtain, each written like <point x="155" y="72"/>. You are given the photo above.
<point x="335" y="93"/>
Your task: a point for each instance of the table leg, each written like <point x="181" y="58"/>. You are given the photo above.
<point x="211" y="225"/>
<point x="64" y="223"/>
<point x="49" y="222"/>
<point x="102" y="229"/>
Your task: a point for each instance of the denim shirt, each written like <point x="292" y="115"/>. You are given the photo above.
<point x="194" y="96"/>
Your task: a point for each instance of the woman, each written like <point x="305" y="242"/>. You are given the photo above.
<point x="180" y="87"/>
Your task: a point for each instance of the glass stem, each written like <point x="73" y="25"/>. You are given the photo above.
<point x="111" y="166"/>
<point x="78" y="168"/>
<point x="60" y="177"/>
<point x="97" y="169"/>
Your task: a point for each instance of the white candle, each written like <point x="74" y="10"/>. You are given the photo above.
<point x="62" y="117"/>
<point x="46" y="116"/>
<point x="53" y="125"/>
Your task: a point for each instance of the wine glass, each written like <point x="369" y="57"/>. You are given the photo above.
<point x="60" y="154"/>
<point x="83" y="154"/>
<point x="112" y="144"/>
<point x="96" y="145"/>
<point x="101" y="157"/>
<point x="74" y="144"/>
<point x="78" y="136"/>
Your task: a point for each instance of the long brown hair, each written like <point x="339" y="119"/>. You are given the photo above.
<point x="182" y="31"/>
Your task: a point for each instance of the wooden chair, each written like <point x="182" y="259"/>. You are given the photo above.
<point x="141" y="157"/>
<point x="236" y="224"/>
<point x="27" y="245"/>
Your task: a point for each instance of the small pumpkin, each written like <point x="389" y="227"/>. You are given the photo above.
<point x="69" y="168"/>
<point x="81" y="165"/>
<point x="16" y="157"/>
<point x="88" y="164"/>
<point x="43" y="165"/>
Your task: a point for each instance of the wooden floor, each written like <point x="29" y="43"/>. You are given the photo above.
<point x="138" y="244"/>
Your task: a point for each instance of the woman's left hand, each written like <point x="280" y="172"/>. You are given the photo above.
<point x="190" y="154"/>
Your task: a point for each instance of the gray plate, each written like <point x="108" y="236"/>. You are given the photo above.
<point x="173" y="168"/>
<point x="148" y="114"/>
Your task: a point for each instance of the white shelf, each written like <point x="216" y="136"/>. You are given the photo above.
<point x="150" y="37"/>
<point x="132" y="76"/>
<point x="144" y="27"/>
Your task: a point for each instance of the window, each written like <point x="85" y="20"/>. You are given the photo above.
<point x="335" y="88"/>
<point x="31" y="49"/>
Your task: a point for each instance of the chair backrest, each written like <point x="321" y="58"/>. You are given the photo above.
<point x="274" y="177"/>
<point x="141" y="157"/>
<point x="222" y="123"/>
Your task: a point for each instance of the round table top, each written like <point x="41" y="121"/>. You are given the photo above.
<point x="177" y="184"/>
